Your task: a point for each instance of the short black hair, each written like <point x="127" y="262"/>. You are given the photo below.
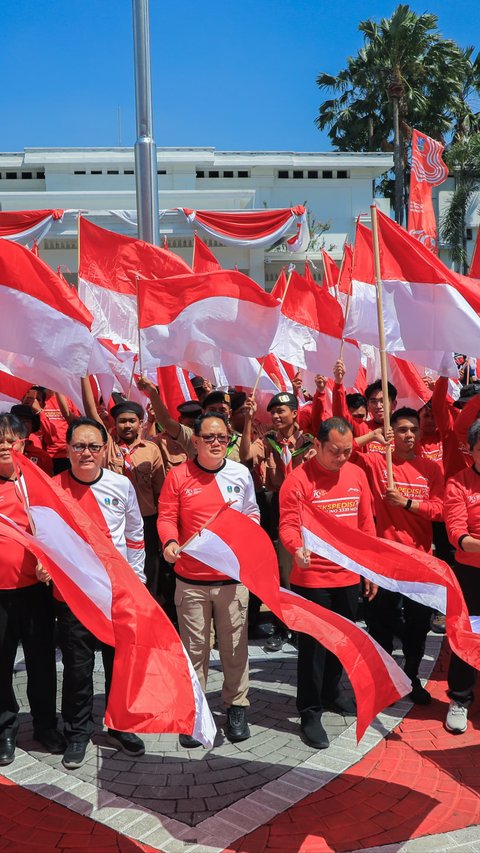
<point x="10" y="423"/>
<point x="340" y="424"/>
<point x="42" y="391"/>
<point x="354" y="401"/>
<point x="203" y="417"/>
<point x="79" y="422"/>
<point x="474" y="434"/>
<point x="377" y="386"/>
<point x="404" y="412"/>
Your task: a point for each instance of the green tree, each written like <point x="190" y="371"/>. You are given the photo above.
<point x="406" y="75"/>
<point x="463" y="160"/>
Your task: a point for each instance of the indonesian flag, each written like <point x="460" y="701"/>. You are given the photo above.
<point x="429" y="311"/>
<point x="109" y="264"/>
<point x="428" y="170"/>
<point x="397" y="568"/>
<point x="123" y="364"/>
<point x="311" y="329"/>
<point x="154" y="686"/>
<point x="175" y="388"/>
<point x="474" y="271"/>
<point x="27" y="226"/>
<point x="256" y="228"/>
<point x="330" y="271"/>
<point x="194" y="318"/>
<point x="234" y="545"/>
<point x="46" y="336"/>
<point x="12" y="390"/>
<point x="203" y="259"/>
<point x="345" y="273"/>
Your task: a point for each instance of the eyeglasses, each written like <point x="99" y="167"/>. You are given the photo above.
<point x="81" y="448"/>
<point x="210" y="439"/>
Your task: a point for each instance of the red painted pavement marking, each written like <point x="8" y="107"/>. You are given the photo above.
<point x="420" y="780"/>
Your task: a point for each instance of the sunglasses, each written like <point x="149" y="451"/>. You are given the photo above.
<point x="81" y="448"/>
<point x="210" y="439"/>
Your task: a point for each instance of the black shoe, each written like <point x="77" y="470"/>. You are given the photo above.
<point x="342" y="704"/>
<point x="7" y="750"/>
<point x="419" y="695"/>
<point x="237" y="726"/>
<point x="188" y="742"/>
<point x="274" y="644"/>
<point x="74" y="755"/>
<point x="129" y="743"/>
<point x="312" y="729"/>
<point x="261" y="630"/>
<point x="53" y="740"/>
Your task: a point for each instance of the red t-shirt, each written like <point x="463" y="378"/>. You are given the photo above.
<point x="462" y="512"/>
<point x="344" y="494"/>
<point x="456" y="454"/>
<point x="340" y="410"/>
<point x="38" y="456"/>
<point x="54" y="428"/>
<point x="17" y="565"/>
<point x="418" y="479"/>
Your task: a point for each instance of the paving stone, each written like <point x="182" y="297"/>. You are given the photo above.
<point x="169" y="792"/>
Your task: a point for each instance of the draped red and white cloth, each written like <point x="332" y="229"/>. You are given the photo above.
<point x="109" y="264"/>
<point x="154" y="686"/>
<point x="235" y="546"/>
<point x="256" y="228"/>
<point x="27" y="226"/>
<point x="428" y="170"/>
<point x="175" y="388"/>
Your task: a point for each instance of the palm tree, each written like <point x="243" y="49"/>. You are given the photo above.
<point x="463" y="160"/>
<point x="406" y="75"/>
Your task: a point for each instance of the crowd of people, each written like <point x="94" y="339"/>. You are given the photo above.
<point x="150" y="481"/>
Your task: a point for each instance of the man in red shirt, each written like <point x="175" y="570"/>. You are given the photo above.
<point x="191" y="494"/>
<point x="404" y="514"/>
<point x="331" y="483"/>
<point x="26" y="616"/>
<point x="366" y="432"/>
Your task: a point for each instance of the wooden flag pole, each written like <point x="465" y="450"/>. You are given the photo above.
<point x="137" y="278"/>
<point x="262" y="362"/>
<point x="381" y="340"/>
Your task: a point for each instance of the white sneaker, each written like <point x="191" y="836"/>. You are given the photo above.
<point x="456" y="721"/>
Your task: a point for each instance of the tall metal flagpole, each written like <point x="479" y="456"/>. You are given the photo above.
<point x="145" y="149"/>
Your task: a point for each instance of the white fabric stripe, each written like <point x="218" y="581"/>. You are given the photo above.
<point x="313" y="350"/>
<point x="400" y="680"/>
<point x="182" y="383"/>
<point x="114" y="314"/>
<point x="204" y="728"/>
<point x="475" y="623"/>
<point x="429" y="594"/>
<point x="35" y="370"/>
<point x="214" y="552"/>
<point x="36" y="232"/>
<point x="74" y="556"/>
<point x="240" y="370"/>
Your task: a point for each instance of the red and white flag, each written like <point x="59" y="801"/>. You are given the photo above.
<point x="428" y="170"/>
<point x="154" y="686"/>
<point x="203" y="259"/>
<point x="330" y="272"/>
<point x="175" y="388"/>
<point x="397" y="568"/>
<point x="27" y="226"/>
<point x="257" y="228"/>
<point x="109" y="264"/>
<point x="12" y="390"/>
<point x="46" y="336"/>
<point x="311" y="329"/>
<point x="429" y="311"/>
<point x="234" y="545"/>
<point x="195" y="318"/>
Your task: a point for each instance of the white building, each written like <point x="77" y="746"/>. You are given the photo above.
<point x="335" y="187"/>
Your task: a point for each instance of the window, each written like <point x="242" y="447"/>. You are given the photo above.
<point x="228" y="174"/>
<point x="11" y="176"/>
<point x="79" y="172"/>
<point x="297" y="174"/>
<point x="343" y="174"/>
<point x="96" y="172"/>
<point x="112" y="172"/>
<point x="283" y="173"/>
<point x="27" y="176"/>
<point x="128" y="172"/>
<point x="243" y="174"/>
<point x="161" y="171"/>
<point x="40" y="176"/>
<point x="214" y="174"/>
<point x="327" y="173"/>
<point x="469" y="233"/>
<point x="200" y="173"/>
<point x="312" y="173"/>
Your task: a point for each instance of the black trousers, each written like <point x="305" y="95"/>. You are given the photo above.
<point x="318" y="670"/>
<point x="390" y="615"/>
<point x="462" y="676"/>
<point x="26" y="616"/>
<point x="152" y="553"/>
<point x="78" y="646"/>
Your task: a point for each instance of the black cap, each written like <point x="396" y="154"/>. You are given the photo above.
<point x="127" y="406"/>
<point x="283" y="399"/>
<point x="237" y="400"/>
<point x="216" y="397"/>
<point x="197" y="382"/>
<point x="26" y="413"/>
<point x="190" y="409"/>
<point x="466" y="394"/>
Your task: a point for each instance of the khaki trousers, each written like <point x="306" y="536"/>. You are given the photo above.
<point x="228" y="605"/>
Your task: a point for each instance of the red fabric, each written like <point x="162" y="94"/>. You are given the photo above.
<point x="462" y="512"/>
<point x="418" y="479"/>
<point x="16" y="221"/>
<point x="428" y="170"/>
<point x="309" y="305"/>
<point x="330" y="270"/>
<point x="345" y="275"/>
<point x="203" y="259"/>
<point x="342" y="493"/>
<point x="12" y="387"/>
<point x="17" y="563"/>
<point x="456" y="455"/>
<point x="280" y="285"/>
<point x="474" y="271"/>
<point x="175" y="388"/>
<point x="247" y="225"/>
<point x="37" y="455"/>
<point x="112" y="260"/>
<point x="54" y="427"/>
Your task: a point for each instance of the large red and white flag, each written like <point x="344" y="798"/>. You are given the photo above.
<point x="154" y="686"/>
<point x="428" y="170"/>
<point x="27" y="226"/>
<point x="429" y="311"/>
<point x="235" y="545"/>
<point x="175" y="388"/>
<point x="203" y="259"/>
<point x="46" y="336"/>
<point x="397" y="568"/>
<point x="311" y="329"/>
<point x="109" y="264"/>
<point x="195" y="318"/>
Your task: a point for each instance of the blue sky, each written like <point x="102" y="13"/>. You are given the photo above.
<point x="227" y="75"/>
